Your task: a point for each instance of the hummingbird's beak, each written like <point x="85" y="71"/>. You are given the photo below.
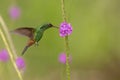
<point x="55" y="27"/>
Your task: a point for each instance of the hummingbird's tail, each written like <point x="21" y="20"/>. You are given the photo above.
<point x="24" y="50"/>
<point x="30" y="43"/>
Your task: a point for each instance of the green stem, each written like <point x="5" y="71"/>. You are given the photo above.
<point x="9" y="50"/>
<point x="9" y="39"/>
<point x="63" y="10"/>
<point x="66" y="42"/>
<point x="67" y="58"/>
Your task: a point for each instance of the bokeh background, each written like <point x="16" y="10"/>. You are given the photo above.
<point x="94" y="43"/>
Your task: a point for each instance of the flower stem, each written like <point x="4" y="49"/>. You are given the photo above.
<point x="66" y="41"/>
<point x="63" y="10"/>
<point x="67" y="58"/>
<point x="8" y="36"/>
<point x="9" y="50"/>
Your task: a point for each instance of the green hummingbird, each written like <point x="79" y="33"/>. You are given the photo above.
<point x="34" y="34"/>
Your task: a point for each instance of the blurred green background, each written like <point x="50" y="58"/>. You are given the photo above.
<point x="94" y="43"/>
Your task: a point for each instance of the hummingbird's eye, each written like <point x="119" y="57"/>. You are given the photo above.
<point x="50" y="25"/>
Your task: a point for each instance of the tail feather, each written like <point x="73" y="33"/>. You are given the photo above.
<point x="30" y="43"/>
<point x="24" y="50"/>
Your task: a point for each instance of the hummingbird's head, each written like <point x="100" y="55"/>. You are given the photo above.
<point x="50" y="25"/>
<point x="46" y="26"/>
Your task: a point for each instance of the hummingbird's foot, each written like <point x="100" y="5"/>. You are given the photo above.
<point x="36" y="44"/>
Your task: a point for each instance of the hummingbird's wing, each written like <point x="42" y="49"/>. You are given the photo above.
<point x="25" y="31"/>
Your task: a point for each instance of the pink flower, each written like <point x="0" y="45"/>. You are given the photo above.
<point x="20" y="63"/>
<point x="65" y="29"/>
<point x="4" y="56"/>
<point x="14" y="12"/>
<point x="62" y="58"/>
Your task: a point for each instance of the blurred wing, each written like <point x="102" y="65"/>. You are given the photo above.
<point x="29" y="32"/>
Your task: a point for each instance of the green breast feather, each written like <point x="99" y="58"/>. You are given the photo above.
<point x="38" y="35"/>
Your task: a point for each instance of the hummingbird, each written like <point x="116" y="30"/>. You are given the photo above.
<point x="34" y="34"/>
